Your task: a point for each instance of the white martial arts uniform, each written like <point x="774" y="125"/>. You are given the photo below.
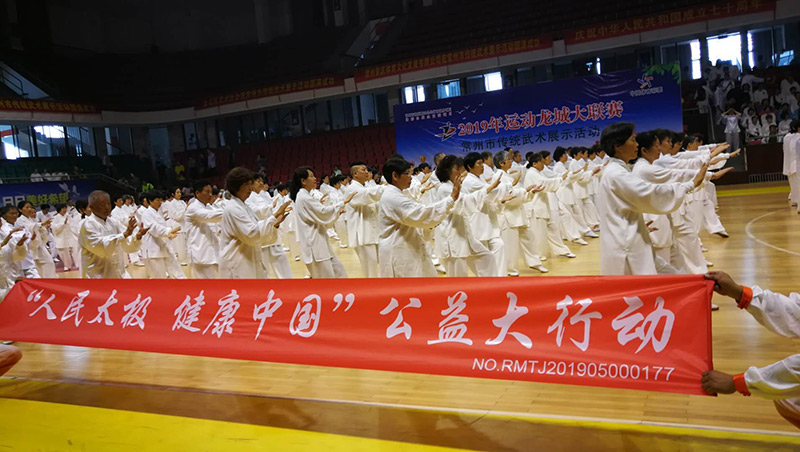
<point x="272" y="253"/>
<point x="456" y="244"/>
<point x="791" y="152"/>
<point x="362" y="225"/>
<point x="546" y="235"/>
<point x="159" y="259"/>
<point x="103" y="247"/>
<point x="625" y="247"/>
<point x="29" y="265"/>
<point x="202" y="239"/>
<point x="10" y="255"/>
<point x="514" y="225"/>
<point x="313" y="220"/>
<point x="176" y="212"/>
<point x="243" y="235"/>
<point x="401" y="246"/>
<point x="779" y="381"/>
<point x="485" y="222"/>
<point x="64" y="239"/>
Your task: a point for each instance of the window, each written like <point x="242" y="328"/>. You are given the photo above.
<point x="413" y="94"/>
<point x="727" y="48"/>
<point x="493" y="81"/>
<point x="697" y="70"/>
<point x="449" y="88"/>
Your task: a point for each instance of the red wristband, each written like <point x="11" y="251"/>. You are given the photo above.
<point x="747" y="297"/>
<point x="741" y="385"/>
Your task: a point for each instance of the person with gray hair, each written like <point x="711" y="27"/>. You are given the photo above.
<point x="103" y="240"/>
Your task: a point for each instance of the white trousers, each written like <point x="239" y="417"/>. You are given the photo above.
<point x="687" y="242"/>
<point x="179" y="245"/>
<point x="274" y="257"/>
<point x="341" y="230"/>
<point x="589" y="211"/>
<point x="47" y="269"/>
<point x="161" y="267"/>
<point x="480" y="265"/>
<point x="497" y="248"/>
<point x="511" y="242"/>
<point x="202" y="271"/>
<point x="576" y="212"/>
<point x="368" y="257"/>
<point x="548" y="240"/>
<point x="711" y="222"/>
<point x="31" y="273"/>
<point x="794" y="184"/>
<point x="65" y="254"/>
<point x="330" y="268"/>
<point x="530" y="247"/>
<point x="567" y="227"/>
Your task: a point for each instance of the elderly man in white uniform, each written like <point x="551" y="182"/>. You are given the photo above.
<point x="362" y="219"/>
<point x="104" y="240"/>
<point x="201" y="235"/>
<point x="401" y="246"/>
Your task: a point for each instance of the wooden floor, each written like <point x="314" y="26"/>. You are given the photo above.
<point x="764" y="249"/>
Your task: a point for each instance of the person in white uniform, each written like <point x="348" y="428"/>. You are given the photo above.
<point x="104" y="241"/>
<point x="567" y="227"/>
<point x="401" y="246"/>
<point x="243" y="234"/>
<point x="202" y="238"/>
<point x="19" y="241"/>
<point x="545" y="232"/>
<point x="625" y="246"/>
<point x="791" y="153"/>
<point x="262" y="204"/>
<point x="40" y="258"/>
<point x="159" y="259"/>
<point x="175" y="210"/>
<point x="362" y="219"/>
<point x="780" y="381"/>
<point x="64" y="238"/>
<point x="456" y="243"/>
<point x="313" y="220"/>
<point x="485" y="222"/>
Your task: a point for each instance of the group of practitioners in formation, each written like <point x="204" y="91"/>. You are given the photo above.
<point x="480" y="214"/>
<point x="644" y="196"/>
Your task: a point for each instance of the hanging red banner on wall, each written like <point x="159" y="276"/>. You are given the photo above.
<point x="649" y="333"/>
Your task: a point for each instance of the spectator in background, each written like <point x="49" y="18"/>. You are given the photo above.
<point x="179" y="172"/>
<point x="36" y="176"/>
<point x="212" y="162"/>
<point x="760" y="94"/>
<point x="191" y="166"/>
<point x="731" y="120"/>
<point x="787" y="84"/>
<point x="784" y="125"/>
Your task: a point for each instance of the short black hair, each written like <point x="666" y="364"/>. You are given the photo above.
<point x="198" y="186"/>
<point x="60" y="206"/>
<point x="485" y="155"/>
<point x="394" y="165"/>
<point x="81" y="204"/>
<point x="794" y="125"/>
<point x="5" y="209"/>
<point x="337" y="178"/>
<point x="44" y="206"/>
<point x="472" y="158"/>
<point x="544" y="154"/>
<point x="646" y="139"/>
<point x="155" y="194"/>
<point x="423" y="165"/>
<point x="238" y="177"/>
<point x="21" y="204"/>
<point x="559" y="152"/>
<point x="535" y="158"/>
<point x="446" y="165"/>
<point x="281" y="187"/>
<point x="615" y="135"/>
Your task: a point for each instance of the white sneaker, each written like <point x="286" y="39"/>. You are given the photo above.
<point x="139" y="264"/>
<point x="285" y="250"/>
<point x="709" y="264"/>
<point x="704" y="249"/>
<point x="513" y="273"/>
<point x="540" y="268"/>
<point x="307" y="276"/>
<point x="342" y="245"/>
<point x="580" y="241"/>
<point x="296" y="258"/>
<point x="596" y="228"/>
<point x="440" y="268"/>
<point x="184" y="264"/>
<point x="569" y="255"/>
<point x="723" y="234"/>
<point x="543" y="258"/>
<point x="591" y="234"/>
<point x="714" y="307"/>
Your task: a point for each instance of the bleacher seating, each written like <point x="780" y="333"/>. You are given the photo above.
<point x="371" y="145"/>
<point x="18" y="171"/>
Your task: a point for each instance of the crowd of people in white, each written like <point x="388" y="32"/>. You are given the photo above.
<point x="480" y="214"/>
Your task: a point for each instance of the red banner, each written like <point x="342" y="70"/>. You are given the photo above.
<point x="457" y="56"/>
<point x="667" y="19"/>
<point x="272" y="90"/>
<point x="47" y="106"/>
<point x="650" y="333"/>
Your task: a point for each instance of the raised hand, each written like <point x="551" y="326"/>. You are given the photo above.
<point x="721" y="173"/>
<point x="142" y="231"/>
<point x="701" y="175"/>
<point x="350" y="197"/>
<point x="282" y="209"/>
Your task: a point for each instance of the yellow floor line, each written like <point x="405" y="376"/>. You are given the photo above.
<point x="27" y="425"/>
<point x="752" y="191"/>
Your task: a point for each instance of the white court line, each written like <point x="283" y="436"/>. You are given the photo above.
<point x="750" y="234"/>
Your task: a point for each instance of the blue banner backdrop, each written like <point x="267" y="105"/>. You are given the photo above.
<point x="39" y="193"/>
<point x="539" y="117"/>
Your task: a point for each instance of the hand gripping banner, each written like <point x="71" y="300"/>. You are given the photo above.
<point x="651" y="332"/>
